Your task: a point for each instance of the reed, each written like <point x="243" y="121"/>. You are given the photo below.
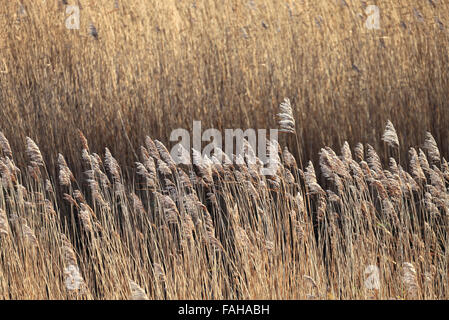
<point x="221" y="231"/>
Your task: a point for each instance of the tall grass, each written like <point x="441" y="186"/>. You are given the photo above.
<point x="87" y="214"/>
<point x="222" y="231"/>
<point x="158" y="65"/>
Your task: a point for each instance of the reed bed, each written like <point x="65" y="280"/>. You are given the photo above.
<point x="87" y="214"/>
<point x="159" y="65"/>
<point x="217" y="230"/>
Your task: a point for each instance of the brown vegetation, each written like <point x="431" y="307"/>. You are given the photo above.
<point x="81" y="221"/>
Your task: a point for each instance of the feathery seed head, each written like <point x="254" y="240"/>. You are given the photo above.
<point x="432" y="149"/>
<point x="390" y="136"/>
<point x="286" y="119"/>
<point x="34" y="153"/>
<point x="137" y="293"/>
<point x="4" y="145"/>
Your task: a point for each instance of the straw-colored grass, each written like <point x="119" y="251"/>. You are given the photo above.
<point x="159" y="65"/>
<point x="78" y="221"/>
<point x="223" y="231"/>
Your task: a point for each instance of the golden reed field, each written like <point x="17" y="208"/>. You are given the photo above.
<point x="93" y="206"/>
